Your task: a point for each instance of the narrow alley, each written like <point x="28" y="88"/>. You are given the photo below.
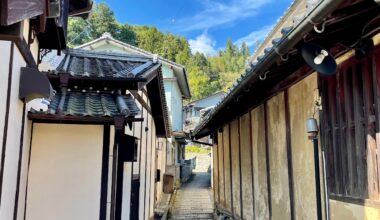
<point x="194" y="200"/>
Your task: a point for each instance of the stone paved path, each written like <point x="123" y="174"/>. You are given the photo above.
<point x="194" y="199"/>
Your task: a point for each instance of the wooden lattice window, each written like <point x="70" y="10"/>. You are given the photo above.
<point x="350" y="128"/>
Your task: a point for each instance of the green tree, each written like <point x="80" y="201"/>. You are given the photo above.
<point x="207" y="74"/>
<point x="149" y="38"/>
<point x="78" y="31"/>
<point x="102" y="20"/>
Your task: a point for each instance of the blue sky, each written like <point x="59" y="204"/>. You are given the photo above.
<point x="207" y="24"/>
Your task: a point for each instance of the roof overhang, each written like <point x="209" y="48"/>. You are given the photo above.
<point x="61" y="119"/>
<point x="344" y="22"/>
<point x="179" y="70"/>
<point x="156" y="94"/>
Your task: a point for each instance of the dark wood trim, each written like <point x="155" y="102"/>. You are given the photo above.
<point x="66" y="119"/>
<point x="6" y="121"/>
<point x="361" y="154"/>
<point x="224" y="170"/>
<point x="357" y="201"/>
<point x="142" y="101"/>
<point x="14" y="33"/>
<point x="55" y="76"/>
<point x="19" y="163"/>
<point x="105" y="169"/>
<point x="252" y="170"/>
<point x="113" y="182"/>
<point x="267" y="160"/>
<point x="289" y="154"/>
<point x="144" y="91"/>
<point x="200" y="142"/>
<point x="231" y="182"/>
<point x="27" y="173"/>
<point x="141" y="131"/>
<point x="216" y="163"/>
<point x="10" y="15"/>
<point x="152" y="171"/>
<point x="146" y="160"/>
<point x="241" y="180"/>
<point x="376" y="95"/>
<point x="22" y="45"/>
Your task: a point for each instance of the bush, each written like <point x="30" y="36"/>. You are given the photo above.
<point x="195" y="149"/>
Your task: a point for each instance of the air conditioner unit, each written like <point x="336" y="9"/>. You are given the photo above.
<point x="54" y="8"/>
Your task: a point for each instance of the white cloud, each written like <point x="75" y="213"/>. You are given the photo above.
<point x="216" y="13"/>
<point x="253" y="37"/>
<point x="203" y="44"/>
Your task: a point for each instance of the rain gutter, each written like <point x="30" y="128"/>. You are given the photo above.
<point x="315" y="16"/>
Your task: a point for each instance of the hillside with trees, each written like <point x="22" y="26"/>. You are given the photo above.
<point x="207" y="74"/>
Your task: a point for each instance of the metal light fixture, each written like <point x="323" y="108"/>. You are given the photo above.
<point x="319" y="59"/>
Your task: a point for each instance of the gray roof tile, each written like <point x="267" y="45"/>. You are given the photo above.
<point x="286" y="30"/>
<point x="83" y="63"/>
<point x="92" y="104"/>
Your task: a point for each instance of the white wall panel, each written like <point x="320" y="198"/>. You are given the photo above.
<point x="65" y="172"/>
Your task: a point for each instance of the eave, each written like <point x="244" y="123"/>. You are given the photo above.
<point x="63" y="119"/>
<point x="249" y="91"/>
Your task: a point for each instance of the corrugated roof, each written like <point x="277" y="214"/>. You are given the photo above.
<point x="83" y="63"/>
<point x="91" y="104"/>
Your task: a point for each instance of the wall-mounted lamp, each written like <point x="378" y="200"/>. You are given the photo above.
<point x="312" y="127"/>
<point x="319" y="59"/>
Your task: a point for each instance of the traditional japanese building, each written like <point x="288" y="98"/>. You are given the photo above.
<point x="107" y="118"/>
<point x="176" y="91"/>
<point x="320" y="64"/>
<point x="25" y="27"/>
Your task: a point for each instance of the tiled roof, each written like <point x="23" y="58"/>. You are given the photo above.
<point x="84" y="63"/>
<point x="180" y="70"/>
<point x="298" y="12"/>
<point x="91" y="104"/>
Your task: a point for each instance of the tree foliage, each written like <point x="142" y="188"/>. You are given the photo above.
<point x="206" y="74"/>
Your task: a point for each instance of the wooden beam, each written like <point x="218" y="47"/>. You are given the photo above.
<point x="289" y="153"/>
<point x="14" y="33"/>
<point x="57" y="119"/>
<point x="141" y="101"/>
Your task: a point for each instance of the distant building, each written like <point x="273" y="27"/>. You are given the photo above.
<point x="176" y="89"/>
<point x="194" y="111"/>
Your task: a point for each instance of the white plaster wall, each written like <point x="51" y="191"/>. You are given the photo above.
<point x="176" y="109"/>
<point x="110" y="161"/>
<point x="148" y="183"/>
<point x="65" y="172"/>
<point x="12" y="153"/>
<point x="24" y="170"/>
<point x="127" y="180"/>
<point x="5" y="48"/>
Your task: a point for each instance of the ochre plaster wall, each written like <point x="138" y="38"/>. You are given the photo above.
<point x="301" y="107"/>
<point x="348" y="211"/>
<point x="246" y="167"/>
<point x="278" y="158"/>
<point x="259" y="159"/>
